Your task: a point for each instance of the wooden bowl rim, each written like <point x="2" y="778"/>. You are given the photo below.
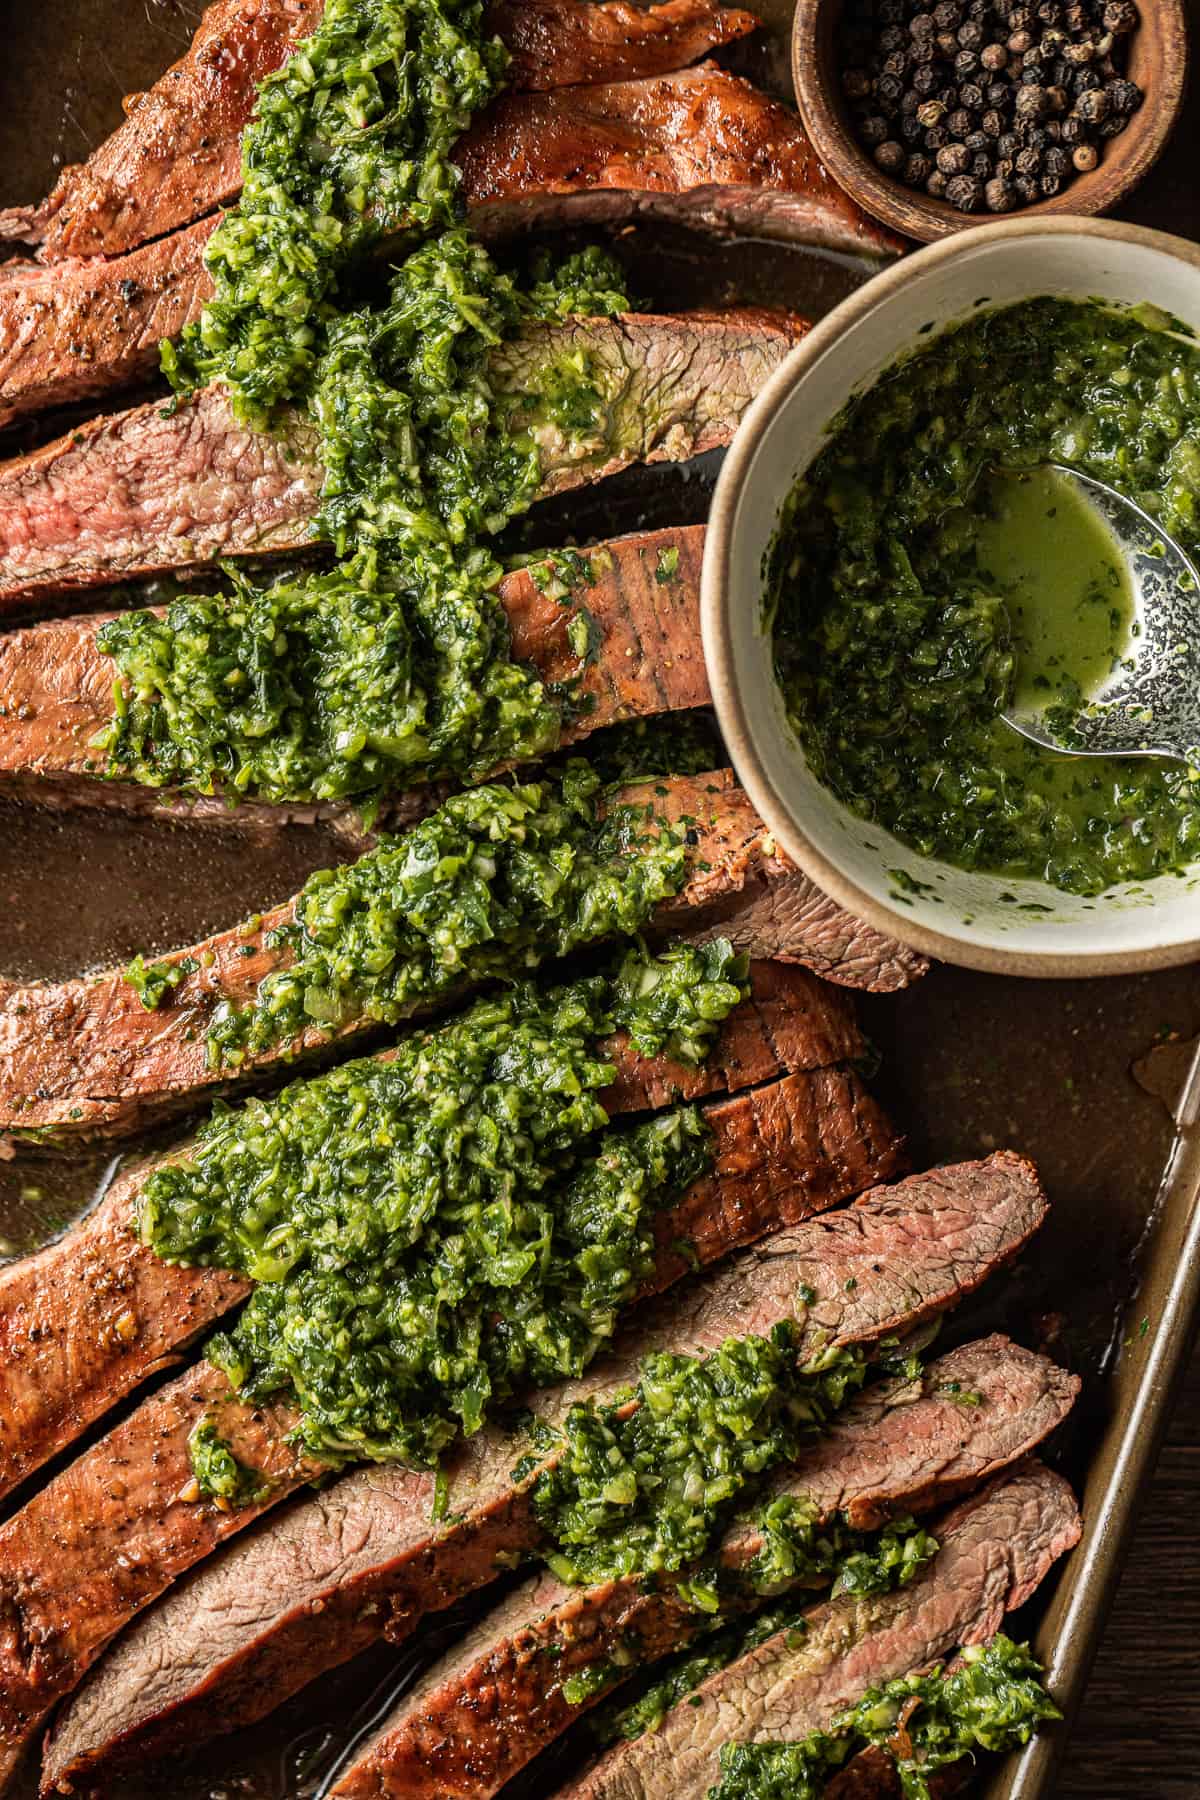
<point x="916" y="215"/>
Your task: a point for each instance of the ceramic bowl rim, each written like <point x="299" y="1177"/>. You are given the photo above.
<point x="734" y="716"/>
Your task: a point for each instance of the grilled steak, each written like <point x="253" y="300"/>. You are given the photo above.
<point x="142" y="491"/>
<point x="56" y="687"/>
<point x="85" y="1320"/>
<point x="178" y="154"/>
<point x="85" y="1057"/>
<point x="366" y="1555"/>
<point x="483" y="1712"/>
<point x="697" y="146"/>
<point x="994" y="1550"/>
<point x="700" y="147"/>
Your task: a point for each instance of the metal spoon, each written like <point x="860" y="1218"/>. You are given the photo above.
<point x="1153" y="708"/>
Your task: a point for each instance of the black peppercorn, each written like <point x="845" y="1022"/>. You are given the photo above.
<point x="922" y="52"/>
<point x="999" y="95"/>
<point x="965" y="193"/>
<point x="1020" y="42"/>
<point x="980" y="10"/>
<point x="896" y="64"/>
<point x="910" y="102"/>
<point x="936" y="137"/>
<point x="1049" y="185"/>
<point x="1029" y="162"/>
<point x="911" y="129"/>
<point x="1080" y="53"/>
<point x="924" y="81"/>
<point x="970" y="95"/>
<point x="1054" y="130"/>
<point x="970" y="35"/>
<point x="1073" y="131"/>
<point x="1124" y="96"/>
<point x="872" y="131"/>
<point x="1050" y="12"/>
<point x="1113" y="126"/>
<point x="1033" y="137"/>
<point x="1032" y="103"/>
<point x="921" y="25"/>
<point x="998" y="195"/>
<point x="917" y="170"/>
<point x="1093" y="106"/>
<point x="947" y="45"/>
<point x="1086" y="78"/>
<point x="1028" y="188"/>
<point x="888" y="90"/>
<point x="1120" y="16"/>
<point x="1056" y="161"/>
<point x="890" y="156"/>
<point x="982" y="165"/>
<point x="954" y="159"/>
<point x="977" y="141"/>
<point x="856" y="84"/>
<point x="1057" y="98"/>
<point x="894" y="38"/>
<point x="1007" y="144"/>
<point x="947" y="16"/>
<point x="959" y="122"/>
<point x="935" y="185"/>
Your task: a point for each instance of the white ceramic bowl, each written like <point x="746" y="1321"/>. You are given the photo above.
<point x="970" y="918"/>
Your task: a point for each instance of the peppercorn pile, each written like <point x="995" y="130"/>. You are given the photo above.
<point x="986" y="104"/>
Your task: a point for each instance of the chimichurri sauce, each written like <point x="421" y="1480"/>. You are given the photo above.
<point x="921" y="575"/>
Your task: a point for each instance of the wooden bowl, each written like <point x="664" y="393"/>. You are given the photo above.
<point x="1158" y="55"/>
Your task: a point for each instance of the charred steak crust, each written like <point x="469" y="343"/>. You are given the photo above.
<point x="148" y="490"/>
<point x="897" y="1256"/>
<point x="994" y="1550"/>
<point x="496" y="1700"/>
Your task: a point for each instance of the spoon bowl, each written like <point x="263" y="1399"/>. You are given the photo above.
<point x="1150" y="705"/>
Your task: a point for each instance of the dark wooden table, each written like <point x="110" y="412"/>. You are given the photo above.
<point x="1137" y="1735"/>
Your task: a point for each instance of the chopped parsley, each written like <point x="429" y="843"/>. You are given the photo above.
<point x="431" y="1231"/>
<point x="994" y="1700"/>
<point x="219" y="1475"/>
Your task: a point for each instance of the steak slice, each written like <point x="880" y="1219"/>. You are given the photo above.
<point x="490" y="1706"/>
<point x="698" y="146"/>
<point x="150" y="490"/>
<point x="873" y="1775"/>
<point x="57" y="688"/>
<point x="86" y="1058"/>
<point x="366" y="1555"/>
<point x="178" y="154"/>
<point x="88" y="1318"/>
<point x="994" y="1550"/>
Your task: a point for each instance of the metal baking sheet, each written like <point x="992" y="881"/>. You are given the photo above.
<point x="1095" y="1080"/>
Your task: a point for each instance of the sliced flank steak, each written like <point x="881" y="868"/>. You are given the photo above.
<point x="152" y="490"/>
<point x="497" y="1699"/>
<point x="177" y="155"/>
<point x="639" y="596"/>
<point x="367" y="1555"/>
<point x="699" y="147"/>
<point x="85" y="1057"/>
<point x="86" y="1320"/>
<point x="994" y="1549"/>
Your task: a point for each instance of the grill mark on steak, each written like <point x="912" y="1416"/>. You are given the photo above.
<point x="57" y="687"/>
<point x="496" y="1700"/>
<point x="178" y="154"/>
<point x="995" y="1549"/>
<point x="145" y="491"/>
<point x="85" y="1057"/>
<point x="700" y="147"/>
<point x="87" y="1319"/>
<point x="364" y="1557"/>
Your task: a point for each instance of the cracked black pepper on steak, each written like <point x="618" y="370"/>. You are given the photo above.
<point x="984" y="103"/>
